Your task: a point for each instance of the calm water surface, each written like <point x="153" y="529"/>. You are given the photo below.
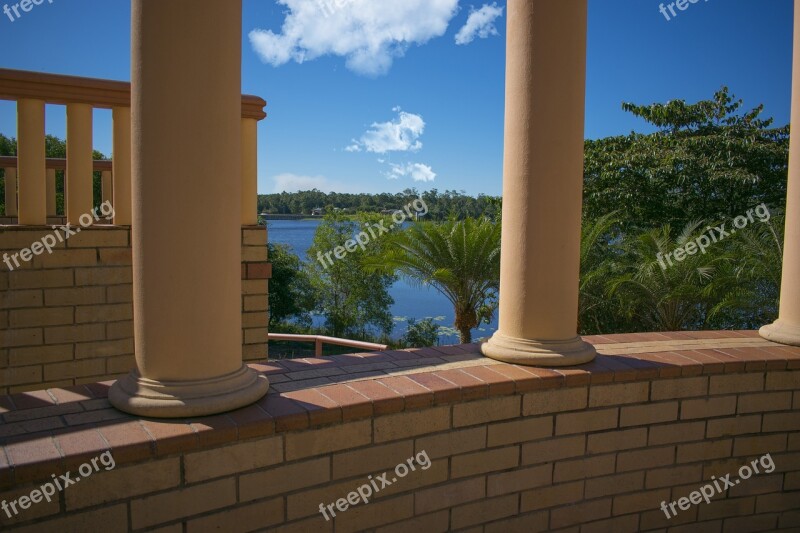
<point x="409" y="301"/>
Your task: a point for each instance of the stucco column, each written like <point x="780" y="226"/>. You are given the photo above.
<point x="249" y="172"/>
<point x="786" y="329"/>
<point x="122" y="166"/>
<point x="31" y="169"/>
<point x="80" y="162"/>
<point x="186" y="133"/>
<point x="542" y="185"/>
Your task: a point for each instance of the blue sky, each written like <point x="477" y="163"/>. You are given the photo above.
<point x="351" y="119"/>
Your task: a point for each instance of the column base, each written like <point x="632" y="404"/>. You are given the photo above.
<point x="140" y="396"/>
<point x="538" y="353"/>
<point x="782" y="332"/>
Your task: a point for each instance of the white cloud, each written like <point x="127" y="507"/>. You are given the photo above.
<point x="417" y="171"/>
<point x="480" y="24"/>
<point x="399" y="135"/>
<point x="293" y="183"/>
<point x="369" y="34"/>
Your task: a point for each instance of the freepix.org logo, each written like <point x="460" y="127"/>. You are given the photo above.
<point x="15" y="11"/>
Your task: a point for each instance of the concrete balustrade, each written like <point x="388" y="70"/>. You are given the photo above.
<point x="33" y="90"/>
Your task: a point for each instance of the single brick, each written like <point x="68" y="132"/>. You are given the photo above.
<point x="255" y="516"/>
<point x="674" y="433"/>
<point x="704" y="451"/>
<point x="232" y="459"/>
<point x="519" y="480"/>
<point x="587" y="467"/>
<point x="787" y="380"/>
<point x="645" y="459"/>
<point x="670" y="389"/>
<point x="371" y="459"/>
<point x="612" y="441"/>
<point x="737" y="425"/>
<point x="641" y="501"/>
<point x="482" y="462"/>
<point x="449" y="495"/>
<point x="334" y="438"/>
<point x="759" y="445"/>
<point x="673" y="475"/>
<point x="103" y="276"/>
<point x="549" y="450"/>
<point x="544" y="498"/>
<point x="483" y="411"/>
<point x="640" y="415"/>
<point x="586" y="421"/>
<point x="617" y="484"/>
<point x="453" y="442"/>
<point x="40" y="279"/>
<point x="554" y="401"/>
<point x="410" y="424"/>
<point x="522" y="430"/>
<point x="74" y="296"/>
<point x="708" y="407"/>
<point x="103" y="313"/>
<point x="74" y="369"/>
<point x="579" y="513"/>
<point x="49" y="316"/>
<point x="732" y="383"/>
<point x="618" y="394"/>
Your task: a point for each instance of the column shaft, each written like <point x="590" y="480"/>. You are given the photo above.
<point x="80" y="162"/>
<point x="31" y="162"/>
<point x="542" y="185"/>
<point x="187" y="155"/>
<point x="786" y="329"/>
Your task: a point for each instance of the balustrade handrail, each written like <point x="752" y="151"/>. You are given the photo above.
<point x="61" y="89"/>
<point x="55" y="163"/>
<point x="320" y="340"/>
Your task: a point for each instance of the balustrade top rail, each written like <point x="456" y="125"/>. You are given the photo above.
<point x="54" y="163"/>
<point x="62" y="90"/>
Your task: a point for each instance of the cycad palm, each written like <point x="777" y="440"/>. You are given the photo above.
<point x="461" y="259"/>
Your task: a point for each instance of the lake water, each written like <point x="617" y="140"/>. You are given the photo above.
<point x="409" y="301"/>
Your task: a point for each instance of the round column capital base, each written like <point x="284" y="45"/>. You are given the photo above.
<point x="141" y="396"/>
<point x="570" y="352"/>
<point x="782" y="332"/>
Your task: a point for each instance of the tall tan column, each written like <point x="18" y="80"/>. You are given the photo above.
<point x="122" y="166"/>
<point x="80" y="162"/>
<point x="51" y="192"/>
<point x="31" y="162"/>
<point x="542" y="185"/>
<point x="249" y="171"/>
<point x="786" y="329"/>
<point x="11" y="192"/>
<point x="186" y="133"/>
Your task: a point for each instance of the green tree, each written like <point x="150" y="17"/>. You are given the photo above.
<point x="421" y="333"/>
<point x="291" y="296"/>
<point x="353" y="301"/>
<point x="460" y="259"/>
<point x="707" y="161"/>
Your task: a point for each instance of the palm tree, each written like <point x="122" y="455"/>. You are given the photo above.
<point x="460" y="259"/>
<point x="661" y="295"/>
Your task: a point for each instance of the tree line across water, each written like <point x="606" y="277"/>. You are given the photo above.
<point x="708" y="165"/>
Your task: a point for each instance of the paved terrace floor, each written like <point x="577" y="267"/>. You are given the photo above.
<point x="45" y="431"/>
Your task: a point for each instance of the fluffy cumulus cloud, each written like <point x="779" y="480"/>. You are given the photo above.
<point x="480" y="24"/>
<point x="417" y="171"/>
<point x="399" y="135"/>
<point x="368" y="33"/>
